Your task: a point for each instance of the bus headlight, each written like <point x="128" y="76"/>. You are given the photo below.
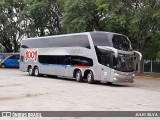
<point x="116" y="74"/>
<point x="115" y="78"/>
<point x="133" y="75"/>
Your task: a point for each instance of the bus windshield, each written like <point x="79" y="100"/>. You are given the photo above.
<point x="121" y="42"/>
<point x="124" y="63"/>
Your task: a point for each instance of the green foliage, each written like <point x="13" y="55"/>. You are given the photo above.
<point x="28" y="18"/>
<point x="152" y="49"/>
<point x="101" y="4"/>
<point x="79" y="15"/>
<point x="43" y="17"/>
<point x="10" y="24"/>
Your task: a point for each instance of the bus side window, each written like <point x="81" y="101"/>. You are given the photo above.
<point x="12" y="57"/>
<point x="17" y="57"/>
<point x="67" y="61"/>
<point x="75" y="62"/>
<point x="84" y="63"/>
<point x="60" y="59"/>
<point x="105" y="60"/>
<point x="51" y="59"/>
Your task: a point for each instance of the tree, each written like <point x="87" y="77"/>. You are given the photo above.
<point x="42" y="17"/>
<point x="81" y="16"/>
<point x="152" y="48"/>
<point x="10" y="24"/>
<point x="28" y="18"/>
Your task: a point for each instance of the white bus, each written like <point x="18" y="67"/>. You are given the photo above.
<point x="91" y="56"/>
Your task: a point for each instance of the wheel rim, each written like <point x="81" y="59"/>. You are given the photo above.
<point x="36" y="72"/>
<point x="30" y="71"/>
<point x="89" y="77"/>
<point x="77" y="76"/>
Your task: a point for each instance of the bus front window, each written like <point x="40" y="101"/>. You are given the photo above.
<point x="123" y="63"/>
<point x="104" y="56"/>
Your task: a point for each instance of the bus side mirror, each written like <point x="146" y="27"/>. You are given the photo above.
<point x="139" y="54"/>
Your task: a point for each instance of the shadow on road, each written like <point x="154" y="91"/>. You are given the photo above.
<point x="97" y="83"/>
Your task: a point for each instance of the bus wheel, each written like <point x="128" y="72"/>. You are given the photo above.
<point x="3" y="66"/>
<point x="90" y="77"/>
<point x="109" y="83"/>
<point x="30" y="71"/>
<point x="79" y="77"/>
<point x="36" y="71"/>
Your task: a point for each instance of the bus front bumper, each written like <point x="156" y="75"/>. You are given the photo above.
<point x="123" y="78"/>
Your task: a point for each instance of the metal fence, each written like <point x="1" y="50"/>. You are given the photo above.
<point x="151" y="66"/>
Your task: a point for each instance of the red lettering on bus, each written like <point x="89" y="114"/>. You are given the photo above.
<point x="31" y="54"/>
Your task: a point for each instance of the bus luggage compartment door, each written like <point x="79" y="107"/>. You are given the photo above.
<point x="67" y="70"/>
<point x="105" y="74"/>
<point x="63" y="70"/>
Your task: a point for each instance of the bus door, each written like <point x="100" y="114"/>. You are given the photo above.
<point x="105" y="70"/>
<point x="61" y="67"/>
<point x="67" y="66"/>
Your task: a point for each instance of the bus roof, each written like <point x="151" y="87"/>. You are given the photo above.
<point x="83" y="33"/>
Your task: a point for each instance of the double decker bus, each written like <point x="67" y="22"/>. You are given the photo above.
<point x="9" y="60"/>
<point x="90" y="56"/>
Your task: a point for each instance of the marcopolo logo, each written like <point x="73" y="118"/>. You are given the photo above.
<point x="31" y="55"/>
<point x="76" y="51"/>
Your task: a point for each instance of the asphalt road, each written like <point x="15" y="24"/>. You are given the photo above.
<point x="20" y="92"/>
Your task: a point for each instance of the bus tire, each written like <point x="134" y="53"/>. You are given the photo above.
<point x="78" y="76"/>
<point x="30" y="71"/>
<point x="109" y="83"/>
<point x="36" y="72"/>
<point x="90" y="78"/>
<point x="3" y="65"/>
